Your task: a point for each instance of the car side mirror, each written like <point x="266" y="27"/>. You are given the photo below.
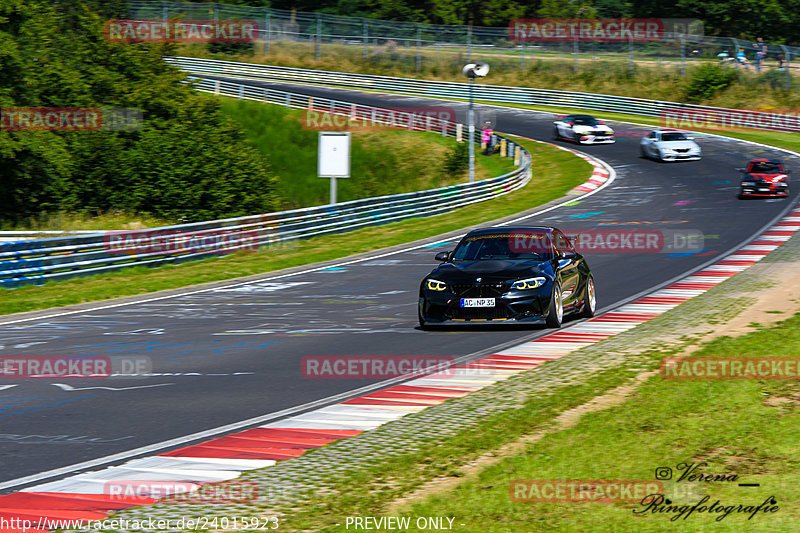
<point x="567" y="255"/>
<point x="442" y="256"/>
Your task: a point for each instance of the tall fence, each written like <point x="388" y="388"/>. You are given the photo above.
<point x="674" y="114"/>
<point x="37" y="261"/>
<point x="410" y="45"/>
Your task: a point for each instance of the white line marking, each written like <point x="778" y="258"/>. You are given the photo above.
<point x="70" y="388"/>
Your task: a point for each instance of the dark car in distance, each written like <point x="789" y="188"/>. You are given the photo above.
<point x="765" y="177"/>
<point x="508" y="275"/>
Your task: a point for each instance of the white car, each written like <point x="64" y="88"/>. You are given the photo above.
<point x="667" y="145"/>
<point x="583" y="129"/>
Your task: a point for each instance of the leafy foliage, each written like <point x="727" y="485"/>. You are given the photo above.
<point x="188" y="162"/>
<point x="457" y="160"/>
<point x="707" y="80"/>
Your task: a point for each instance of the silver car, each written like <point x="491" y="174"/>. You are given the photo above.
<point x="670" y="146"/>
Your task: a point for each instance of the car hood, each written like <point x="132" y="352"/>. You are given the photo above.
<point x="491" y="270"/>
<point x="592" y="129"/>
<point x="769" y="178"/>
<point x="672" y="145"/>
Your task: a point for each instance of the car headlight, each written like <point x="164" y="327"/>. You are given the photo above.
<point x="749" y="183"/>
<point x="530" y="283"/>
<point x="783" y="185"/>
<point x="436" y="285"/>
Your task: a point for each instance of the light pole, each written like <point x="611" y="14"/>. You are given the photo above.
<point x="471" y="71"/>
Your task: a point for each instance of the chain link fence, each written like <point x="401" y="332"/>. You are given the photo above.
<point x="410" y="45"/>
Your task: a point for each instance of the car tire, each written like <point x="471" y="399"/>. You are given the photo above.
<point x="576" y="137"/>
<point x="556" y="135"/>
<point x="555" y="312"/>
<point x="643" y="152"/>
<point x="589" y="299"/>
<point x="421" y="320"/>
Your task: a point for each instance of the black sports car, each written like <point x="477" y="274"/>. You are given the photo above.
<point x="521" y="274"/>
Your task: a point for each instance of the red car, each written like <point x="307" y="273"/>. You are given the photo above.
<point x="765" y="177"/>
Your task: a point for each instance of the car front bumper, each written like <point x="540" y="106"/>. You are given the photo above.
<point x="444" y="308"/>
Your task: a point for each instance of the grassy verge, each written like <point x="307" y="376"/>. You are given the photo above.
<point x="382" y="162"/>
<point x="747" y="428"/>
<point x="83" y="221"/>
<point x="653" y="78"/>
<point x="558" y="172"/>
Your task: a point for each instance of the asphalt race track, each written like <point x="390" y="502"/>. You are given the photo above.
<point x="230" y="354"/>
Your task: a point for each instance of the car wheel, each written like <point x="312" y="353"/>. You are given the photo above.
<point x="555" y="313"/>
<point x="576" y="137"/>
<point x="643" y="151"/>
<point x="589" y="299"/>
<point x="421" y="320"/>
<point x="556" y="135"/>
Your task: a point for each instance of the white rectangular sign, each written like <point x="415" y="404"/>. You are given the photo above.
<point x="334" y="154"/>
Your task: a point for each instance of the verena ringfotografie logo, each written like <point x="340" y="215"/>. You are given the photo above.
<point x="577" y="490"/>
<point x="70" y="119"/>
<point x="729" y="119"/>
<point x="708" y="368"/>
<point x="183" y="491"/>
<point x="180" y="242"/>
<point x="181" y="31"/>
<point x="72" y="367"/>
<point x="373" y="367"/>
<point x="614" y="241"/>
<point x="350" y="118"/>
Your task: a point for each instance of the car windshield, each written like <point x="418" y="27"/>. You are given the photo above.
<point x="516" y="244"/>
<point x="584" y="121"/>
<point x="673" y="136"/>
<point x="764" y="167"/>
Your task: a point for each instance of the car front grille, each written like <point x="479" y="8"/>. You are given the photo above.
<point x="480" y="313"/>
<point x="681" y="150"/>
<point x="478" y="290"/>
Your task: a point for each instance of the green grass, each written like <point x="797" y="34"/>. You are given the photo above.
<point x="61" y="221"/>
<point x="747" y="428"/>
<point x="557" y="172"/>
<point x="382" y="162"/>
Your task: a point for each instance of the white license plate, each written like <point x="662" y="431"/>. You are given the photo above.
<point x="764" y="190"/>
<point x="477" y="302"/>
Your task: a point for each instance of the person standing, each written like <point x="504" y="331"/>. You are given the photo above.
<point x="741" y="59"/>
<point x="486" y="138"/>
<point x="761" y="52"/>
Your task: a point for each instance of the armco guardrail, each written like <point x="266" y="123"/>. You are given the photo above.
<point x="38" y="261"/>
<point x="483" y="92"/>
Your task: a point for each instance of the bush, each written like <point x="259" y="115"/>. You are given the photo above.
<point x="457" y="161"/>
<point x="707" y="80"/>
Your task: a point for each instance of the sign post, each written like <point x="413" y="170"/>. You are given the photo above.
<point x="333" y="160"/>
